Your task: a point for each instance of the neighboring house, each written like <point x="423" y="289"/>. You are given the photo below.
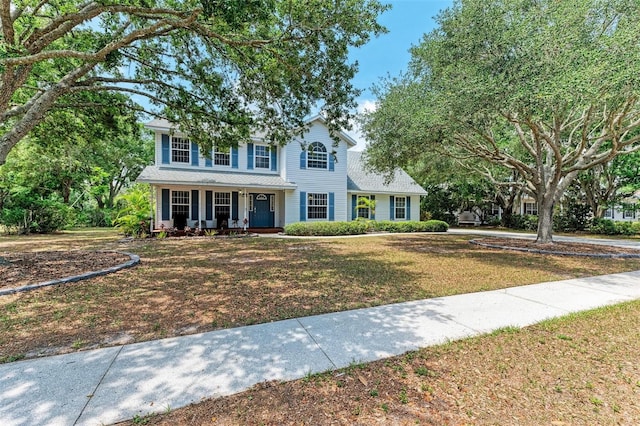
<point x="309" y="179"/>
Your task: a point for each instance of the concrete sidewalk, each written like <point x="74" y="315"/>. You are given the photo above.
<point x="113" y="384"/>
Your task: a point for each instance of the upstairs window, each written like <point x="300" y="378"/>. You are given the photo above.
<point x="317" y="156"/>
<point x="221" y="156"/>
<point x="262" y="157"/>
<point x="180" y="149"/>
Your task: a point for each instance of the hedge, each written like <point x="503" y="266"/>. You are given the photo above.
<point x="358" y="227"/>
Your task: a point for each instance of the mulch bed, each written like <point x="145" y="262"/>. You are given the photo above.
<point x="19" y="269"/>
<point x="562" y="248"/>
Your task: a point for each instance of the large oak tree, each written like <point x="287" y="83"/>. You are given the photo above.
<point x="217" y="67"/>
<point x="546" y="88"/>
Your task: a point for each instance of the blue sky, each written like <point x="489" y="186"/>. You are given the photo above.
<point x="388" y="54"/>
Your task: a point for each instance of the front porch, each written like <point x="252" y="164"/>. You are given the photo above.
<point x="198" y="232"/>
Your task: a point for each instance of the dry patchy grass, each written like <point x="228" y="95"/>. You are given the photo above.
<point x="192" y="285"/>
<point x="579" y="370"/>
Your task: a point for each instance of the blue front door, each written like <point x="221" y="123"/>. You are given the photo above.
<point x="261" y="216"/>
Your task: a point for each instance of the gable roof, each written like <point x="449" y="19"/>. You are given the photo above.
<point x="361" y="180"/>
<point x="162" y="124"/>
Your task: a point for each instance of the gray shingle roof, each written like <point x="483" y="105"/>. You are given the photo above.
<point x="176" y="176"/>
<point x="360" y="180"/>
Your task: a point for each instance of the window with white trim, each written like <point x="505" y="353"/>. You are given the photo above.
<point x="272" y="203"/>
<point x="262" y="157"/>
<point x="221" y="156"/>
<point x="317" y="206"/>
<point x="222" y="205"/>
<point x="608" y="213"/>
<point x="363" y="212"/>
<point x="401" y="207"/>
<point x="531" y="209"/>
<point x="180" y="150"/>
<point x="628" y="214"/>
<point x="317" y="156"/>
<point x="179" y="203"/>
<point x="495" y="209"/>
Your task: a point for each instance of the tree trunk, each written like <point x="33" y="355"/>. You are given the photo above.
<point x="545" y="222"/>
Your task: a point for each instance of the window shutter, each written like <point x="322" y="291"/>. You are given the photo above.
<point x="354" y="204"/>
<point x="208" y="205"/>
<point x="331" y="160"/>
<point x="250" y="156"/>
<point x="408" y="215"/>
<point x="194" y="154"/>
<point x="303" y="206"/>
<point x="373" y="210"/>
<point x="392" y="208"/>
<point x="332" y="202"/>
<point x="165" y="205"/>
<point x="207" y="161"/>
<point x="166" y="150"/>
<point x="234" y="205"/>
<point x="303" y="160"/>
<point x="234" y="157"/>
<point x="274" y="158"/>
<point x="195" y="204"/>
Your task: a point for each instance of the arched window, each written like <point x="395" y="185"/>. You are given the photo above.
<point x="317" y="156"/>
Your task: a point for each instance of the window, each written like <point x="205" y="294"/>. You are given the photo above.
<point x="272" y="203"/>
<point x="262" y="157"/>
<point x="495" y="209"/>
<point x="628" y="214"/>
<point x="317" y="156"/>
<point x="221" y="156"/>
<point x="180" y="150"/>
<point x="222" y="207"/>
<point x="363" y="212"/>
<point x="317" y="206"/>
<point x="401" y="208"/>
<point x="531" y="209"/>
<point x="180" y="203"/>
<point x="608" y="213"/>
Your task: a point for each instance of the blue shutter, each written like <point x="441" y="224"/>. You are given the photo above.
<point x="207" y="161"/>
<point x="234" y="205"/>
<point x="303" y="206"/>
<point x="408" y="208"/>
<point x="274" y="158"/>
<point x="250" y="156"/>
<point x="166" y="149"/>
<point x="331" y="160"/>
<point x="208" y="205"/>
<point x="234" y="157"/>
<point x="165" y="205"/>
<point x="354" y="210"/>
<point x="194" y="154"/>
<point x="332" y="207"/>
<point x="195" y="204"/>
<point x="392" y="208"/>
<point x="303" y="160"/>
<point x="373" y="211"/>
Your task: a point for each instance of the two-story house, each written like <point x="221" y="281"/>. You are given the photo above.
<point x="261" y="186"/>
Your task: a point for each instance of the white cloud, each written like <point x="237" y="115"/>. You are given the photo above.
<point x="366" y="105"/>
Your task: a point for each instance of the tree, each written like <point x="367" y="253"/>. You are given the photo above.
<point x="545" y="88"/>
<point x="219" y="68"/>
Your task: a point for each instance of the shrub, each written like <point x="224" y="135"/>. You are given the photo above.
<point x="133" y="216"/>
<point x="609" y="227"/>
<point x="362" y="226"/>
<point x="524" y="222"/>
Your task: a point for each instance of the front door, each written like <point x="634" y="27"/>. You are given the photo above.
<point x="260" y="213"/>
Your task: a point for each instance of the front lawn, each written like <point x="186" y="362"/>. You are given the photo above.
<point x="189" y="285"/>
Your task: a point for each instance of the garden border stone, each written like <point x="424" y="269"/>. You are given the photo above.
<point x="134" y="259"/>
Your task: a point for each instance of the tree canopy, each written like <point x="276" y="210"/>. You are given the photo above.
<point x="546" y="88"/>
<point x="217" y="67"/>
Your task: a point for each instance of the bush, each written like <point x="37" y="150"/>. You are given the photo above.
<point x="609" y="227"/>
<point x="523" y="222"/>
<point x="133" y="216"/>
<point x="362" y="226"/>
<point x="33" y="215"/>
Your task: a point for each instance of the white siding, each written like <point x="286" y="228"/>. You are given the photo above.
<point x="383" y="205"/>
<point x="316" y="180"/>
